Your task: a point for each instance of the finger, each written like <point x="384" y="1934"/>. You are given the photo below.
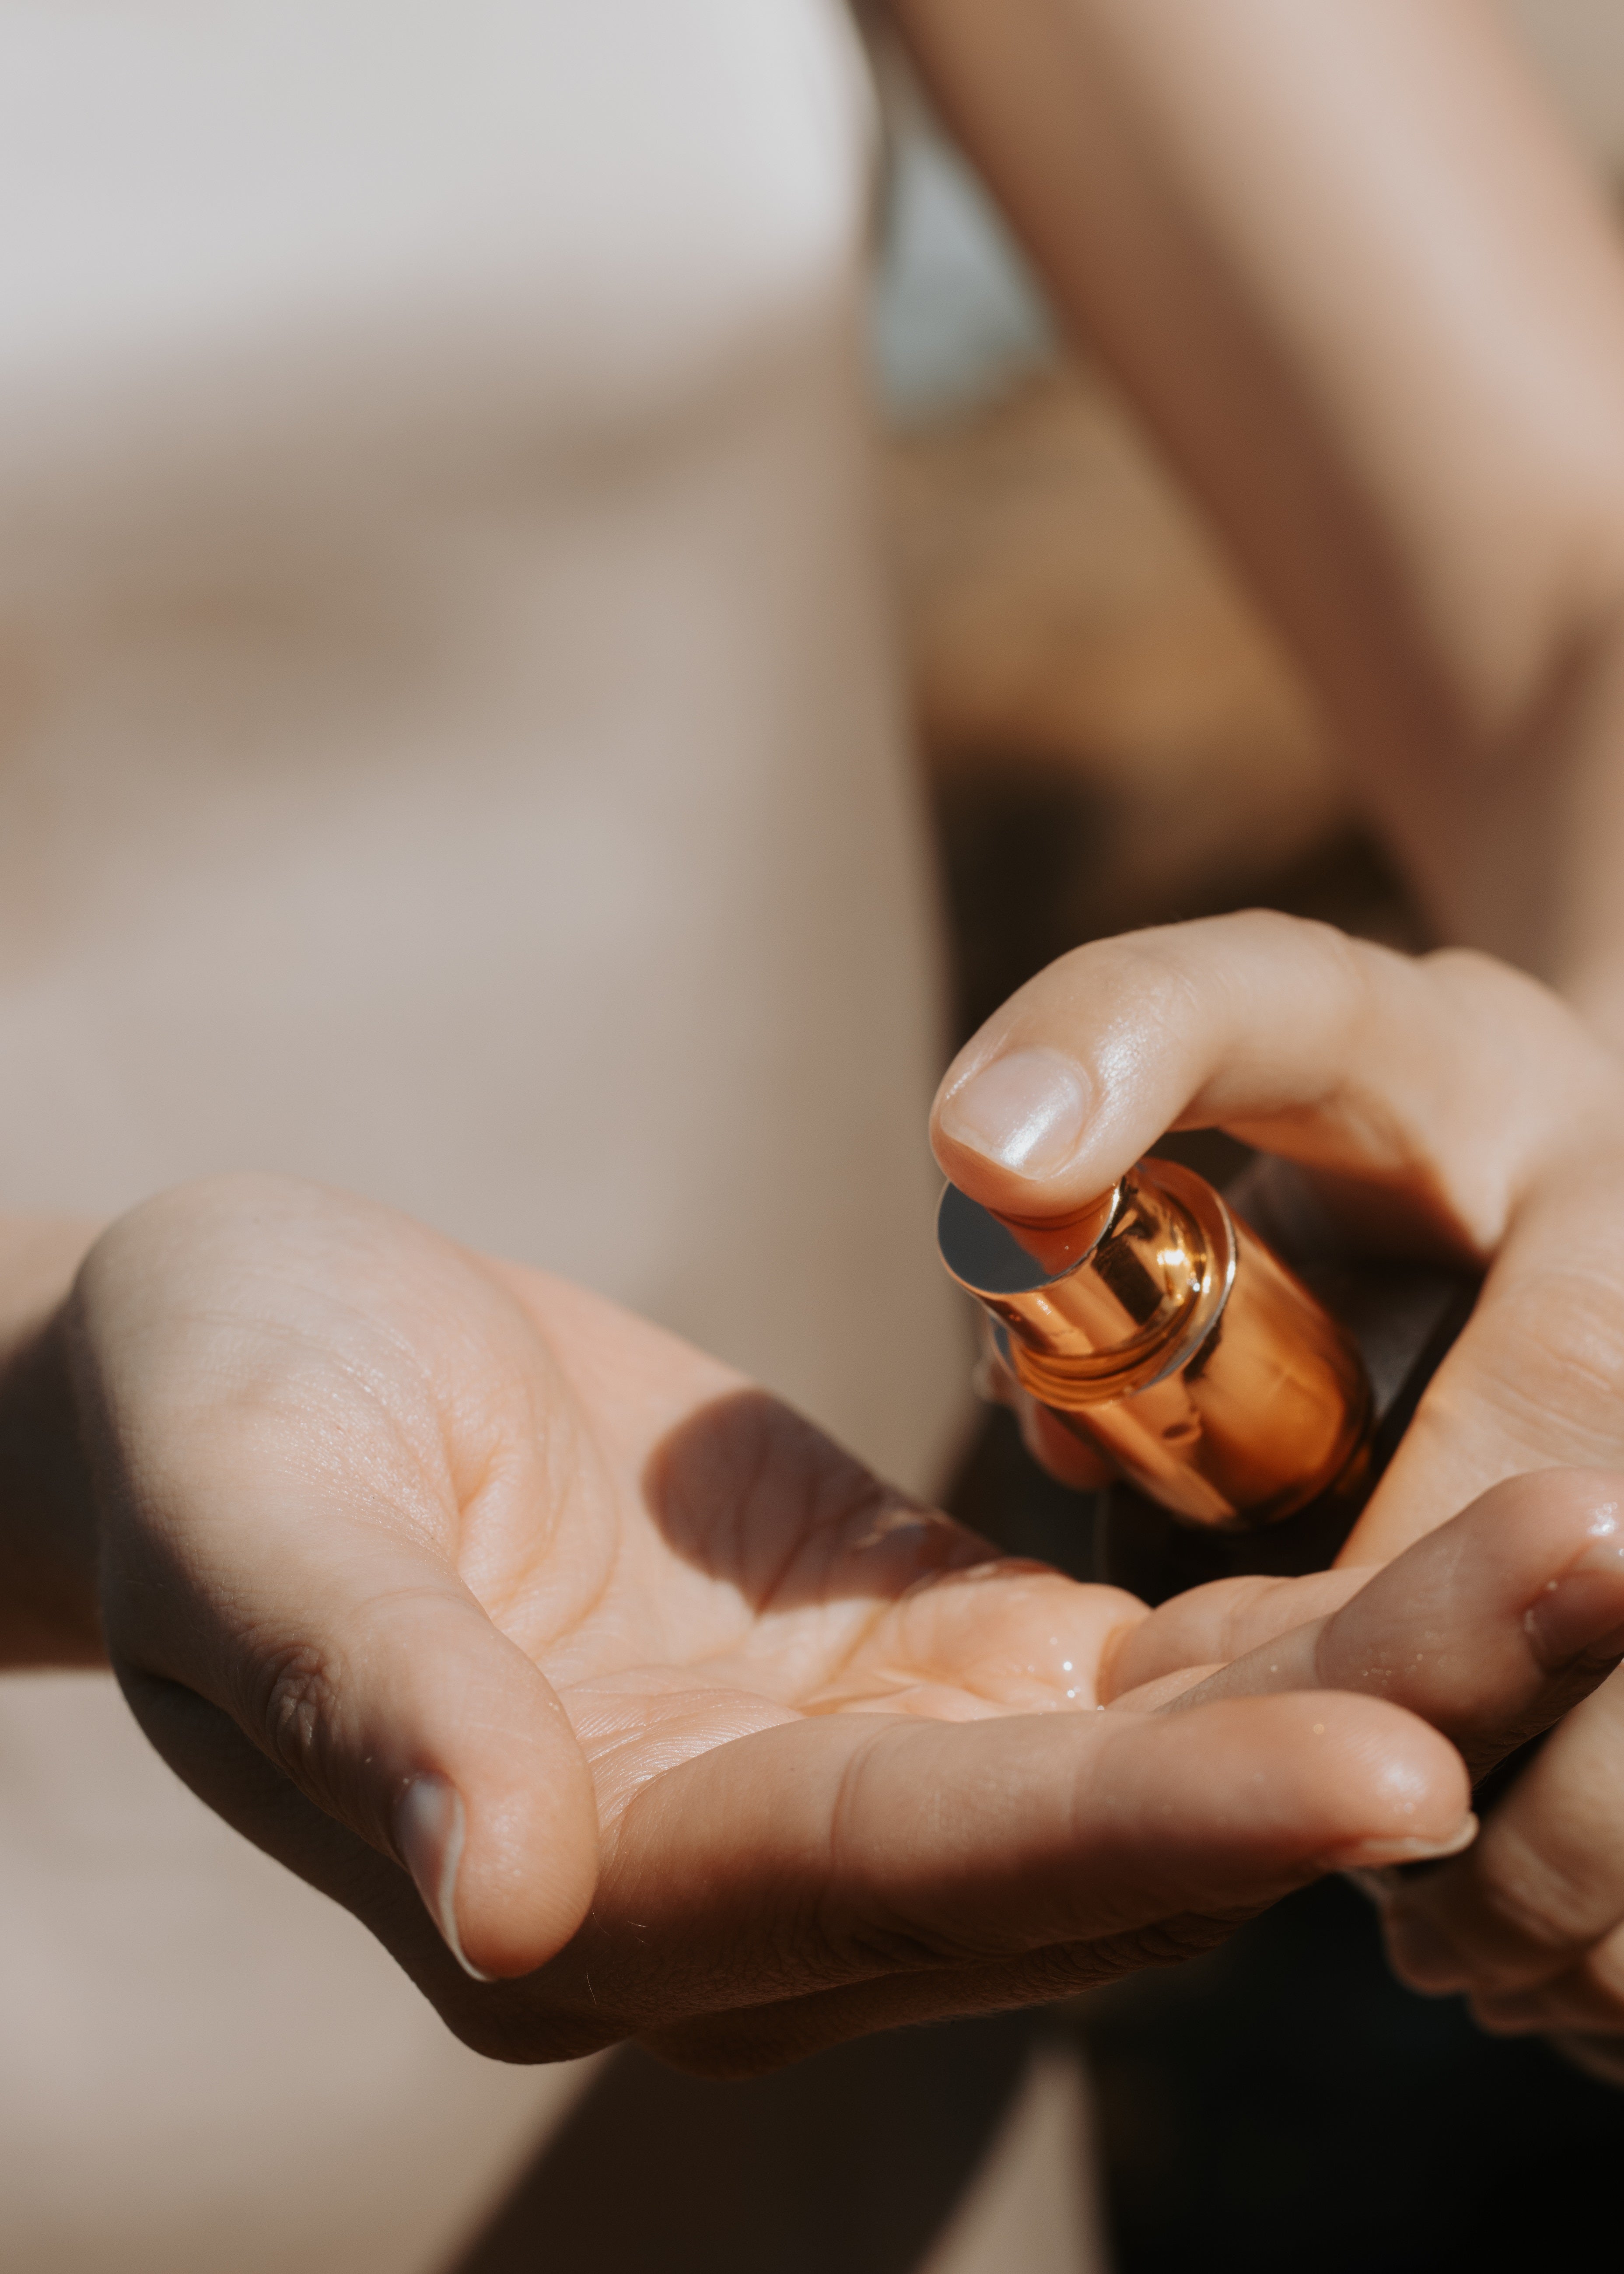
<point x="1549" y="1883"/>
<point x="237" y="1780"/>
<point x="1447" y="1101"/>
<point x="843" y="1851"/>
<point x="404" y="1714"/>
<point x="1055" y="1447"/>
<point x="1490" y="1628"/>
<point x="1211" y="1625"/>
<point x="1537" y="1376"/>
<point x="1428" y="1086"/>
<point x="1589" y="1998"/>
<point x="281" y="1544"/>
<point x="1044" y="1435"/>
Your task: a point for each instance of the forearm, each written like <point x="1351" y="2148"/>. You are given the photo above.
<point x="1352" y="275"/>
<point x="48" y="1606"/>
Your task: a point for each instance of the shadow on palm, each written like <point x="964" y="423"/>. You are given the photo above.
<point x="752" y="1753"/>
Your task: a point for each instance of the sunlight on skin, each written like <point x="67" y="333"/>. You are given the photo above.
<point x="882" y="1605"/>
<point x="1440" y="1105"/>
<point x="850" y="1597"/>
<point x="689" y="1717"/>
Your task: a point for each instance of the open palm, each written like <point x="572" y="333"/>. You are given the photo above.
<point x="684" y="1726"/>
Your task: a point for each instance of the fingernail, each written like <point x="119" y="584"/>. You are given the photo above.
<point x="1364" y="1858"/>
<point x="1578" y="1615"/>
<point x="1426" y="1958"/>
<point x="430" y="1825"/>
<point x="1027" y="1110"/>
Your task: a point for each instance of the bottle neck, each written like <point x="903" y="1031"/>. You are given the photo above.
<point x="1136" y="1303"/>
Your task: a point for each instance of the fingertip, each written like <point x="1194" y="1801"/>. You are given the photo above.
<point x="486" y="1793"/>
<point x="1385" y="1851"/>
<point x="1412" y="1769"/>
<point x="531" y="1864"/>
<point x="1527" y="1583"/>
<point x="1579" y="1615"/>
<point x="1543" y="1549"/>
<point x="1008" y="1127"/>
<point x="1591" y="1499"/>
<point x="1353" y="1778"/>
<point x="507" y="1886"/>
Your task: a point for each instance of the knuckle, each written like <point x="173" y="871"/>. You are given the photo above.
<point x="1345" y="970"/>
<point x="1135" y="968"/>
<point x="294" y="1698"/>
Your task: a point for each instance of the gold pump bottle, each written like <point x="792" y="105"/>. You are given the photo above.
<point x="1160" y="1330"/>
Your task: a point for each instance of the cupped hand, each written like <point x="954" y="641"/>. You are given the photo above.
<point x="1444" y="1106"/>
<point x="423" y="1568"/>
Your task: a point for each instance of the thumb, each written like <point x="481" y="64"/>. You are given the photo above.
<point x="285" y="1397"/>
<point x="381" y="1691"/>
<point x="1490" y="1627"/>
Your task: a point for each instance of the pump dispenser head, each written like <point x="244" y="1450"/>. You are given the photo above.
<point x="1162" y="1331"/>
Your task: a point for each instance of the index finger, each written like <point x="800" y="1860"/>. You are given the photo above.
<point x="1445" y="1102"/>
<point x="1535" y="1381"/>
<point x="848" y="1849"/>
<point x="1433" y="1086"/>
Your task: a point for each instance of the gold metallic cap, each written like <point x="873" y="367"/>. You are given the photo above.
<point x="1106" y="1301"/>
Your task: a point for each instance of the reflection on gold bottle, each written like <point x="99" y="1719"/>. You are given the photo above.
<point x="1160" y="1330"/>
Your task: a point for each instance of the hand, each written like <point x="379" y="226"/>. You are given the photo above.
<point x="1440" y="1106"/>
<point x="685" y="1726"/>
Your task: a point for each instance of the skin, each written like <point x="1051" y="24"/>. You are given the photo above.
<point x="753" y="1754"/>
<point x="1350" y="272"/>
<point x="349" y="1509"/>
<point x="1444" y="1106"/>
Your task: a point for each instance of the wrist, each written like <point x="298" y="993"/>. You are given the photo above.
<point x="48" y="1611"/>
